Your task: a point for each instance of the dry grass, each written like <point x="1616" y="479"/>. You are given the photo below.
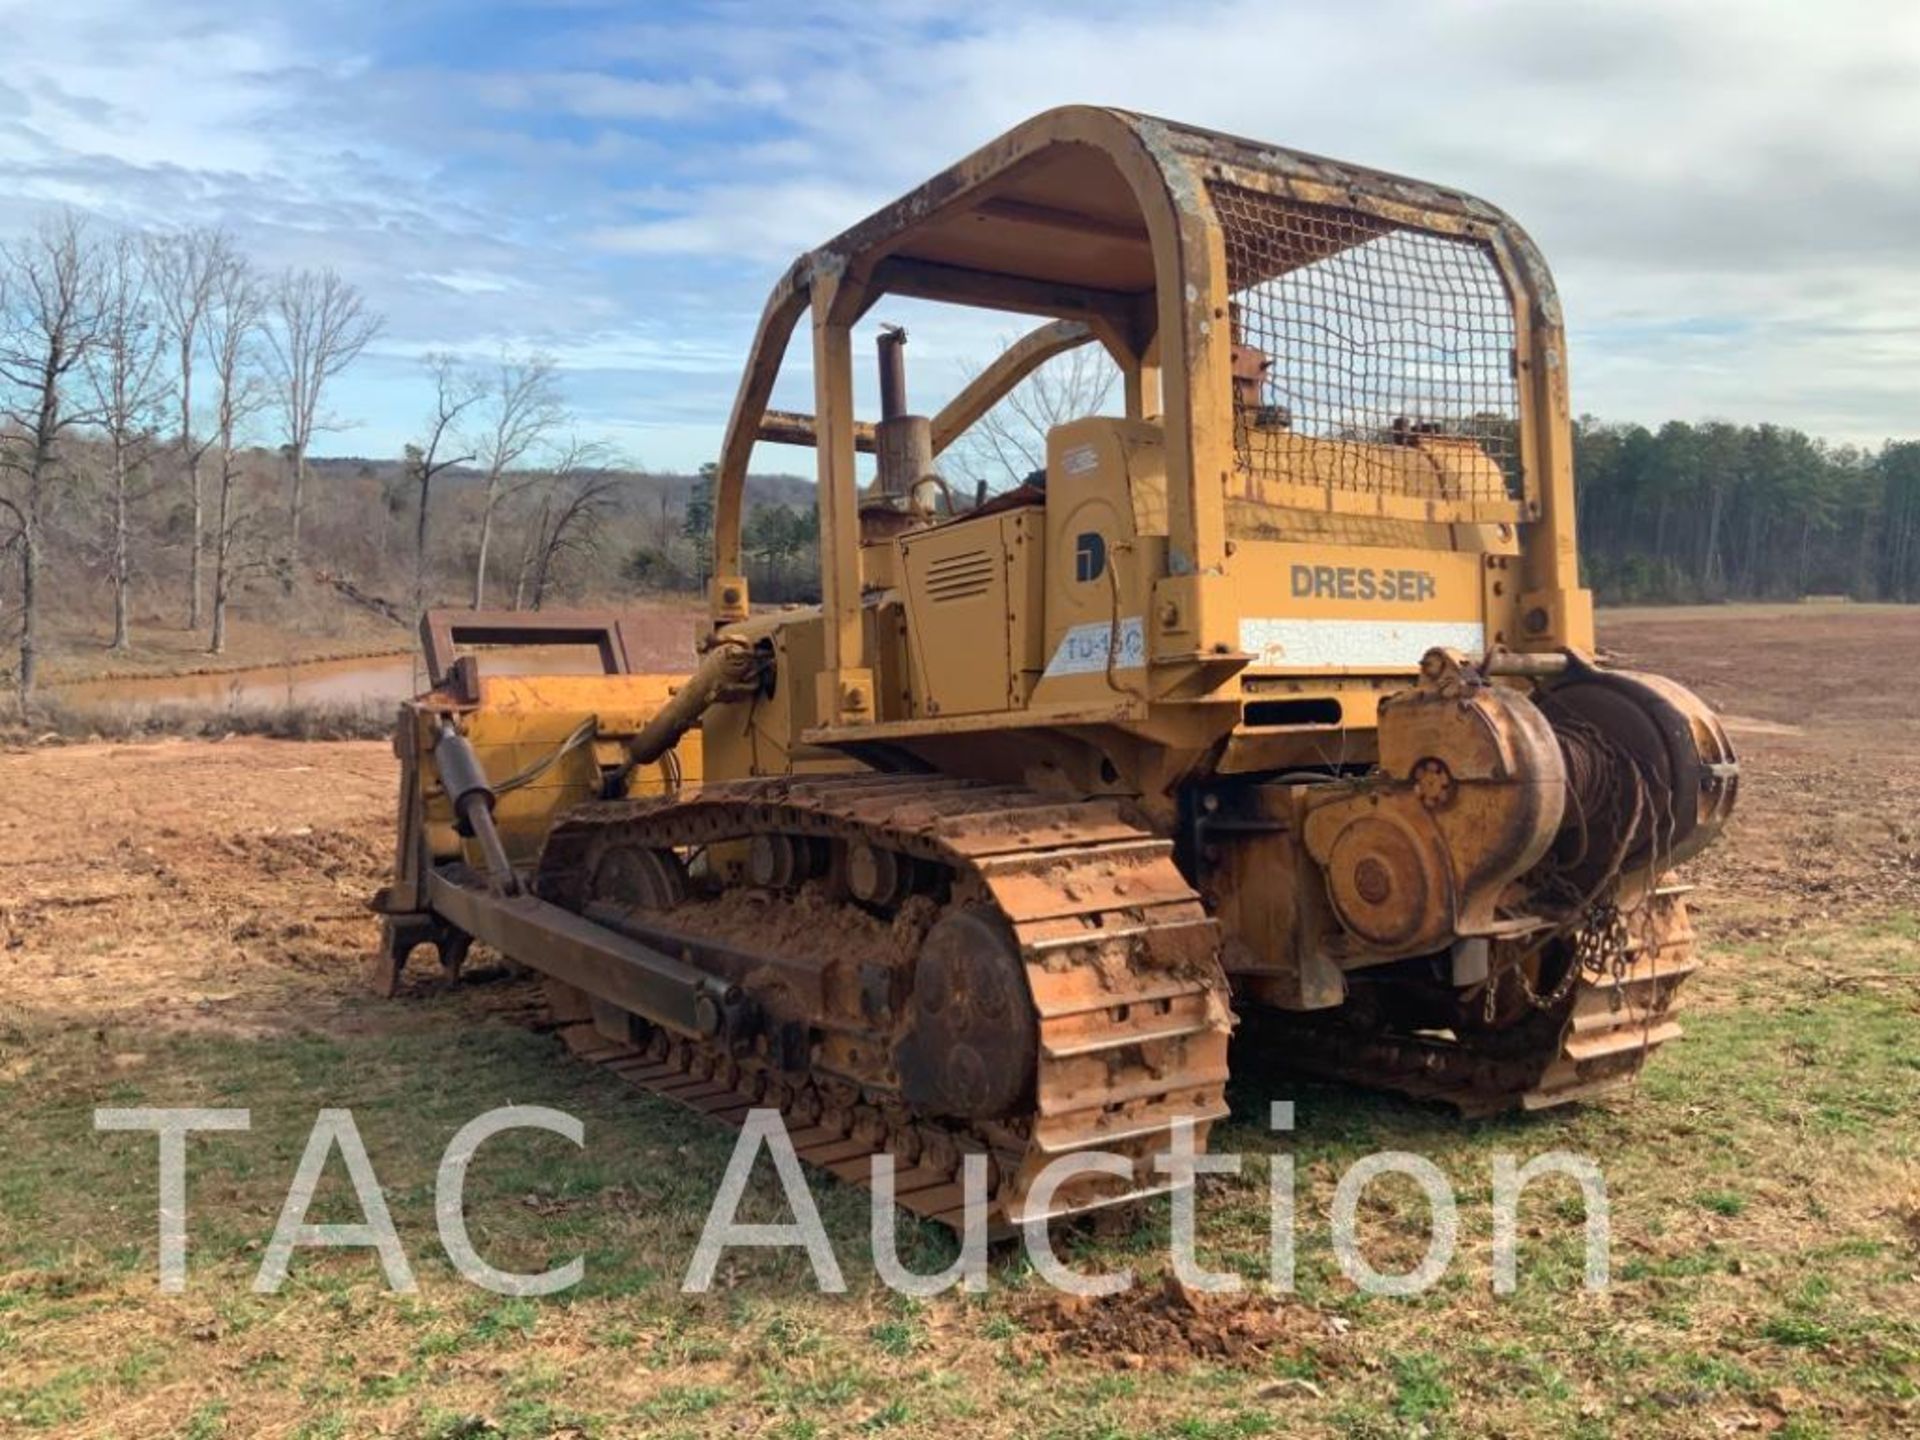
<point x="1766" y="1185"/>
<point x="53" y="721"/>
<point x="311" y="627"/>
<point x="314" y="624"/>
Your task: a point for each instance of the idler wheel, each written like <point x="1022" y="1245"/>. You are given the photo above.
<point x="971" y="1042"/>
<point x="632" y="875"/>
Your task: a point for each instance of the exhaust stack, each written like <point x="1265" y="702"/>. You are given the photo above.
<point x="902" y="443"/>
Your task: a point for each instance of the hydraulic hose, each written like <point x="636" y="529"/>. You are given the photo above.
<point x="728" y="666"/>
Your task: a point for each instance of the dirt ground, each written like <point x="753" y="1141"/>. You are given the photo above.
<point x="173" y="912"/>
<point x="179" y="865"/>
<point x="254" y="839"/>
<point x="1823" y="702"/>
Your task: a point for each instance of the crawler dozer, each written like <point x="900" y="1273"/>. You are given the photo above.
<point x="1272" y="699"/>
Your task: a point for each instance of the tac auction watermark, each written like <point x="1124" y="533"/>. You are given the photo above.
<point x="764" y="1133"/>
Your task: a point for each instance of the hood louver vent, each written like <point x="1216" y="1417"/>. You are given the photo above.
<point x="959" y="577"/>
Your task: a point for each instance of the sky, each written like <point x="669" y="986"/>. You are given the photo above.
<point x="1727" y="190"/>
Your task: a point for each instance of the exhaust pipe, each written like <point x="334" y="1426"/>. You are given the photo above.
<point x="902" y="443"/>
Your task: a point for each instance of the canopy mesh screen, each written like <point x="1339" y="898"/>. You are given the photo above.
<point x="1371" y="358"/>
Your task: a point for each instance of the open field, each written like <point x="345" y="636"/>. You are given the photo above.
<point x="338" y="682"/>
<point x="660" y="632"/>
<point x="180" y="924"/>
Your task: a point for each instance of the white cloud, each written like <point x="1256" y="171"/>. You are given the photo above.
<point x="1720" y="168"/>
<point x="470" y="282"/>
<point x="1725" y="188"/>
<point x="151" y="86"/>
<point x="770" y="221"/>
<point x="600" y="96"/>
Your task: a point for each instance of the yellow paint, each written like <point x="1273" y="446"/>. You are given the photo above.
<point x="1191" y="592"/>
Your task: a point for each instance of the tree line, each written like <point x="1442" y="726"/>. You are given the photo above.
<point x="1683" y="513"/>
<point x="116" y="347"/>
<point x="160" y="396"/>
<point x="780" y="543"/>
<point x="506" y="427"/>
<point x="1717" y="511"/>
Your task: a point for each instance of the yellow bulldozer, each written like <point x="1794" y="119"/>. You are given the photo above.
<point x="1273" y="697"/>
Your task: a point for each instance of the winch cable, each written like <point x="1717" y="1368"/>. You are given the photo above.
<point x="1596" y="765"/>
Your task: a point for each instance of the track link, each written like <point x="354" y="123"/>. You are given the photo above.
<point x="1609" y="1026"/>
<point x="1120" y="959"/>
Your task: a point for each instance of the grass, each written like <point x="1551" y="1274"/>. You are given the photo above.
<point x="51" y="719"/>
<point x="1763" y="1178"/>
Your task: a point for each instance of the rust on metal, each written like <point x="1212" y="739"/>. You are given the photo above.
<point x="1276" y="687"/>
<point x="1105" y="991"/>
<point x="793" y="427"/>
<point x="444" y="632"/>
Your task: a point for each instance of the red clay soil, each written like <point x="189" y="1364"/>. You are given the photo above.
<point x="1824" y="706"/>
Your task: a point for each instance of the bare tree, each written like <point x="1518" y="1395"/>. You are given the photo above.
<point x="129" y="388"/>
<point x="522" y="407"/>
<point x="1009" y="442"/>
<point x="575" y="495"/>
<point x="184" y="271"/>
<point x="51" y="305"/>
<point x="324" y="324"/>
<point x="455" y="392"/>
<point x="231" y="327"/>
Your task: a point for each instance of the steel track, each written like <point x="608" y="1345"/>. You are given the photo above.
<point x="1120" y="960"/>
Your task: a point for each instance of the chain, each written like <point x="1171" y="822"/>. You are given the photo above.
<point x="1603" y="946"/>
<point x="1602" y="943"/>
<point x="1597" y="931"/>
